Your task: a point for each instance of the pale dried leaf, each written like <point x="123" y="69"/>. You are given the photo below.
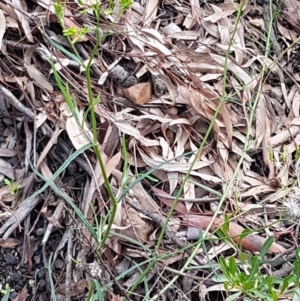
<point x="130" y="130"/>
<point x="171" y="29"/>
<point x="287" y="33"/>
<point x="109" y="167"/>
<point x="9" y="243"/>
<point x="2" y="26"/>
<point x="21" y="6"/>
<point x="38" y="77"/>
<point x="79" y="134"/>
<point x="6" y="169"/>
<point x="156" y="161"/>
<point x="189" y="193"/>
<point x="150" y="11"/>
<point x="45" y="171"/>
<point x="189" y="35"/>
<point x="6" y="152"/>
<point x="237" y="70"/>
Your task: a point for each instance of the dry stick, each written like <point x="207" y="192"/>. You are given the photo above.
<point x="13" y="222"/>
<point x="196" y="200"/>
<point x="69" y="263"/>
<point x="160" y="221"/>
<point x="57" y="214"/>
<point x="42" y="51"/>
<point x="28" y="135"/>
<point x="29" y="203"/>
<point x="3" y="107"/>
<point x="16" y="103"/>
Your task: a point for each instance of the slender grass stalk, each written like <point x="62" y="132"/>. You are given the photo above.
<point x="53" y="294"/>
<point x="99" y="39"/>
<point x="222" y="101"/>
<point x="92" y="102"/>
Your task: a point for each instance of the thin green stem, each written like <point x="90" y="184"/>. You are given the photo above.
<point x="222" y="101"/>
<point x="94" y="122"/>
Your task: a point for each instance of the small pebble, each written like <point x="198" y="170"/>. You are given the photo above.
<point x="37" y="259"/>
<point x="9" y="259"/>
<point x="59" y="264"/>
<point x="40" y="232"/>
<point x="13" y="295"/>
<point x="16" y="277"/>
<point x="41" y="273"/>
<point x="8" y="121"/>
<point x="42" y="284"/>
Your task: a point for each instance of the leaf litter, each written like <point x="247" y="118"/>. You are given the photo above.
<point x="160" y="75"/>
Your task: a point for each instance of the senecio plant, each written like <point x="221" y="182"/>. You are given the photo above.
<point x="72" y="35"/>
<point x="254" y="284"/>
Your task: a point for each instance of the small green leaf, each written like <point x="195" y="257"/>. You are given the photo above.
<point x="265" y="248"/>
<point x="232" y="266"/>
<point x="224" y="267"/>
<point x="70" y="32"/>
<point x="248" y="285"/>
<point x="270" y="285"/>
<point x="225" y="226"/>
<point x="244" y="257"/>
<point x="226" y="285"/>
<point x="219" y="278"/>
<point x="125" y="4"/>
<point x="255" y="261"/>
<point x="7" y="182"/>
<point x="286" y="281"/>
<point x="234" y="296"/>
<point x="152" y="179"/>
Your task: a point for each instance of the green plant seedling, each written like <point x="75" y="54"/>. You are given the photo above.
<point x="6" y="292"/>
<point x="13" y="188"/>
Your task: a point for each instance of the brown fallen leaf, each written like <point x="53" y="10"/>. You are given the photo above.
<point x="139" y="228"/>
<point x="251" y="242"/>
<point x="76" y="288"/>
<point x="9" y="243"/>
<point x="139" y="94"/>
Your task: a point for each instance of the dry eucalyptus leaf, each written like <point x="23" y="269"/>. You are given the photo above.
<point x="6" y="169"/>
<point x="78" y="132"/>
<point x="2" y="26"/>
<point x="38" y="77"/>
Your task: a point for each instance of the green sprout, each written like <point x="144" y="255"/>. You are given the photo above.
<point x="6" y="290"/>
<point x="13" y="188"/>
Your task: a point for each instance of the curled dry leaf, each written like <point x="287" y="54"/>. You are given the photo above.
<point x="171" y="166"/>
<point x="75" y="288"/>
<point x="20" y="7"/>
<point x="38" y="77"/>
<point x="126" y="128"/>
<point x="79" y="134"/>
<point x="2" y="26"/>
<point x="135" y="226"/>
<point x="150" y="12"/>
<point x="6" y="169"/>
